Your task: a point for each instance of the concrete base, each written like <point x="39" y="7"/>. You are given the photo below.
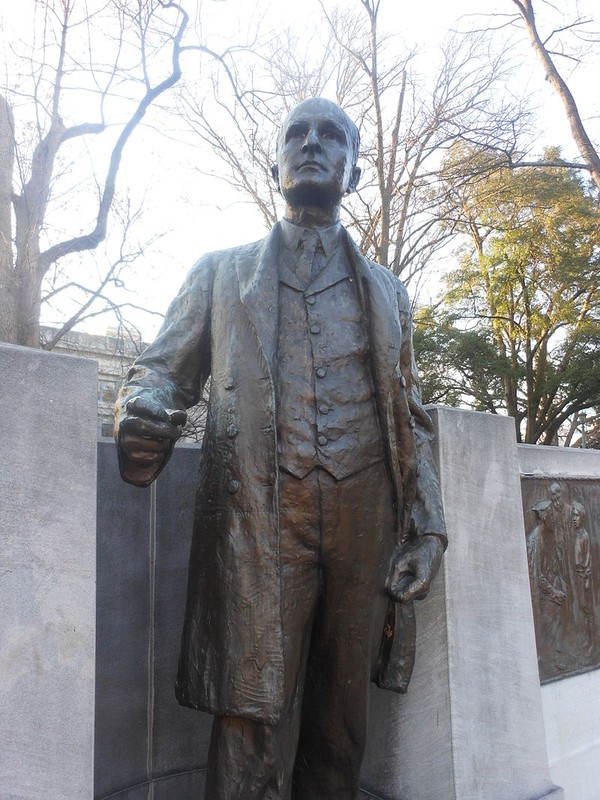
<point x="471" y="726"/>
<point x="572" y="718"/>
<point x="47" y="575"/>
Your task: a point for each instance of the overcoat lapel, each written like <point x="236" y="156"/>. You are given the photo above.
<point x="258" y="278"/>
<point x="381" y="306"/>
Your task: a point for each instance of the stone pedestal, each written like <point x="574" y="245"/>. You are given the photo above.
<point x="471" y="726"/>
<point x="47" y="575"/>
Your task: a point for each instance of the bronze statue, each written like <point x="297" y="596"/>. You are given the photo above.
<point x="318" y="514"/>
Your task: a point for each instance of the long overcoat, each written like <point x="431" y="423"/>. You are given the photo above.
<point x="223" y="324"/>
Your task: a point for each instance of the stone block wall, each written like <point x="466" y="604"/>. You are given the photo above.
<point x="47" y="575"/>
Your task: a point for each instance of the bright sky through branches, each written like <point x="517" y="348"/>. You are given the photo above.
<point x="197" y="214"/>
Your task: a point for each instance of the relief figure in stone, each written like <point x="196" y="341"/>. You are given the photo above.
<point x="549" y="588"/>
<point x="563" y="552"/>
<point x="584" y="596"/>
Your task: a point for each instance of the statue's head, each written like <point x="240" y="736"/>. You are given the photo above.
<point x="556" y="495"/>
<point x="317" y="151"/>
<point x="577" y="514"/>
<point x="541" y="509"/>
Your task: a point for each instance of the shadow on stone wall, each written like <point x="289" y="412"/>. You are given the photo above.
<point x="143" y="737"/>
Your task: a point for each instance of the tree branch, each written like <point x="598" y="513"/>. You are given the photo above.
<point x="91" y="240"/>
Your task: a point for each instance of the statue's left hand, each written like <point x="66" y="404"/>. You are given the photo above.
<point x="414" y="566"/>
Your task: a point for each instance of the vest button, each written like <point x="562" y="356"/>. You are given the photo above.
<point x="321" y="372"/>
<point x="403" y="381"/>
<point x="233" y="487"/>
<point x="324" y="408"/>
<point x="229" y="383"/>
<point x="232" y="431"/>
<point x="322" y="441"/>
<point x="315" y="329"/>
<point x="310" y="300"/>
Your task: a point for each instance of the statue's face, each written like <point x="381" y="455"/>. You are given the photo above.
<point x="546" y="518"/>
<point x="556" y="495"/>
<point x="314" y="155"/>
<point x="576" y="517"/>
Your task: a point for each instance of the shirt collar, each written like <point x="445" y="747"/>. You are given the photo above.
<point x="330" y="237"/>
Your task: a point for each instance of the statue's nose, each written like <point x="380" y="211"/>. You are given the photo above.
<point x="311" y="142"/>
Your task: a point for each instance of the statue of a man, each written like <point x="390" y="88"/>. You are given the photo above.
<point x="317" y="501"/>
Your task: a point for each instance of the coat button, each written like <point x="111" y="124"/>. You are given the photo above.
<point x="233" y="487"/>
<point x="412" y="422"/>
<point x="322" y="440"/>
<point x="324" y="408"/>
<point x="403" y="381"/>
<point x="321" y="372"/>
<point x="315" y="329"/>
<point x="229" y="383"/>
<point x="232" y="431"/>
<point x="311" y="300"/>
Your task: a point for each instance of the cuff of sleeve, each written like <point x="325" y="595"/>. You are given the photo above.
<point x="441" y="536"/>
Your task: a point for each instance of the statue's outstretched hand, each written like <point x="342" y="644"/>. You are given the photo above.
<point x="413" y="568"/>
<point x="146" y="435"/>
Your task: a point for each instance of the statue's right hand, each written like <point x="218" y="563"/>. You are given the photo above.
<point x="147" y="431"/>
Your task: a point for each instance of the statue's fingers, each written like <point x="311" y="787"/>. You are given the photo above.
<point x="150" y="428"/>
<point x="413" y="589"/>
<point x="399" y="587"/>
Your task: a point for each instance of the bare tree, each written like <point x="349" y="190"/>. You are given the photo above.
<point x="75" y="99"/>
<point x="409" y="125"/>
<point x="406" y="123"/>
<point x="548" y="48"/>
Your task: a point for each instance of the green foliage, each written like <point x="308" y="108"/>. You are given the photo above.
<point x="518" y="329"/>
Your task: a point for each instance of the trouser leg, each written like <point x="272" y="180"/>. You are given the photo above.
<point x="356" y="549"/>
<point x="336" y="540"/>
<point x="249" y="760"/>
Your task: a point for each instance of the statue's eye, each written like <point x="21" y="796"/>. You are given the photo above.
<point x="295" y="132"/>
<point x="332" y="134"/>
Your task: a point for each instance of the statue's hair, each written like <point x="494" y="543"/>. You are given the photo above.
<point x="577" y="506"/>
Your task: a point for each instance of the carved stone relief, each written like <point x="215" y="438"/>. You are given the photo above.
<point x="562" y="524"/>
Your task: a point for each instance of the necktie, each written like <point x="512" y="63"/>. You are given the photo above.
<point x="305" y="266"/>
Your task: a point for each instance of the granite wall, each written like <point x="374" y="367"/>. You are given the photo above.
<point x="47" y="575"/>
<point x="144" y="739"/>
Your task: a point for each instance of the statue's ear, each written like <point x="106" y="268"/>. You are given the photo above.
<point x="354" y="179"/>
<point x="275" y="175"/>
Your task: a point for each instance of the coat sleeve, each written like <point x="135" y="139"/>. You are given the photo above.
<point x="427" y="515"/>
<point x="424" y="512"/>
<point x="172" y="371"/>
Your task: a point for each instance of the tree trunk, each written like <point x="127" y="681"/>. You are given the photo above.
<point x="578" y="131"/>
<point x="8" y="279"/>
<point x="20" y="311"/>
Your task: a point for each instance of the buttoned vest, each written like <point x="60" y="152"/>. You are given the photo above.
<point x="326" y="411"/>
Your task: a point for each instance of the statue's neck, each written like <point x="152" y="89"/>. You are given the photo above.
<point x="313" y="216"/>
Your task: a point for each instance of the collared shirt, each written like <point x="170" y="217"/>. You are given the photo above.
<point x="293" y="234"/>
